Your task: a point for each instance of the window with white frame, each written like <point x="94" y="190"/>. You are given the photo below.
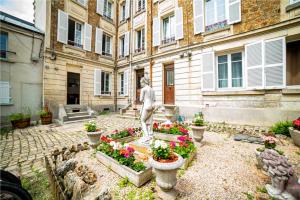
<point x="230" y="70"/>
<point x="122" y="84"/>
<point x="107" y="9"/>
<point x="122" y="46"/>
<point x="168" y="27"/>
<point x="215" y="14"/>
<point x="75" y="33"/>
<point x="3" y="44"/>
<point x="106" y="45"/>
<point x="105" y="83"/>
<point x="123" y="12"/>
<point x="294" y="1"/>
<point x="82" y="2"/>
<point x="140" y="5"/>
<point x="5" y="92"/>
<point x="140" y="40"/>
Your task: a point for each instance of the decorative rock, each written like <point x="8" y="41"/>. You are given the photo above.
<point x="86" y="175"/>
<point x="69" y="182"/>
<point x="79" y="188"/>
<point x="65" y="167"/>
<point x="79" y="147"/>
<point x="104" y="194"/>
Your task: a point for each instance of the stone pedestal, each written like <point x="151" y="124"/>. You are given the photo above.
<point x="169" y="113"/>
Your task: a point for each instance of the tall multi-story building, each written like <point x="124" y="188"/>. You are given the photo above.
<point x="235" y="60"/>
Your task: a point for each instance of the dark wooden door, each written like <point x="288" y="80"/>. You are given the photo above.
<point x="139" y="76"/>
<point x="169" y="85"/>
<point x="73" y="88"/>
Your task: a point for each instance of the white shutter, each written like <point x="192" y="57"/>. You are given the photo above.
<point x="198" y="16"/>
<point x="62" y="27"/>
<point x="4" y="92"/>
<point x="126" y="43"/>
<point x="126" y="82"/>
<point x="179" y="23"/>
<point x="274" y="63"/>
<point x="254" y="65"/>
<point x="156" y="31"/>
<point x="208" y="71"/>
<point x="110" y="45"/>
<point x="110" y="83"/>
<point x="127" y="9"/>
<point x="234" y="11"/>
<point x="97" y="82"/>
<point x="100" y="7"/>
<point x="87" y="44"/>
<point x="98" y="41"/>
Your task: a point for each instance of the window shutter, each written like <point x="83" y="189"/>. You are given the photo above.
<point x="208" y="71"/>
<point x="4" y="92"/>
<point x="179" y="23"/>
<point x="110" y="45"/>
<point x="126" y="82"/>
<point x="198" y="16"/>
<point x="126" y="43"/>
<point x="62" y="27"/>
<point x="274" y="63"/>
<point x="87" y="44"/>
<point x="234" y="11"/>
<point x="110" y="83"/>
<point x="100" y="6"/>
<point x="98" y="41"/>
<point x="254" y="65"/>
<point x="97" y="82"/>
<point x="127" y="9"/>
<point x="156" y="31"/>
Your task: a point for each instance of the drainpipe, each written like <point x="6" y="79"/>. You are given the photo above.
<point x="116" y="58"/>
<point x="151" y="50"/>
<point x="130" y="100"/>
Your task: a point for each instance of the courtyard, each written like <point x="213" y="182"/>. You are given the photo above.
<point x="222" y="169"/>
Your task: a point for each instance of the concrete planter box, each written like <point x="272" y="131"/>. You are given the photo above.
<point x="126" y="139"/>
<point x="198" y="132"/>
<point x="137" y="178"/>
<point x="165" y="136"/>
<point x="187" y="161"/>
<point x="295" y="134"/>
<point x="94" y="138"/>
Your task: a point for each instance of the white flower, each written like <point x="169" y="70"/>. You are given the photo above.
<point x="164" y="145"/>
<point x="126" y="145"/>
<point x="151" y="142"/>
<point x="157" y="144"/>
<point x="112" y="143"/>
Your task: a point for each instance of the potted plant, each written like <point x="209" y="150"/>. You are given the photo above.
<point x="93" y="133"/>
<point x="165" y="163"/>
<point x="198" y="127"/>
<point x="20" y="120"/>
<point x="295" y="132"/>
<point x="45" y="115"/>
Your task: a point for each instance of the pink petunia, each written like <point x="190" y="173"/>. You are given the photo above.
<point x="172" y="144"/>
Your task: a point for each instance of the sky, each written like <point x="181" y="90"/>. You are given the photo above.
<point x="22" y="9"/>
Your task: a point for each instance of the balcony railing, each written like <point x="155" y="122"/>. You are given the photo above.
<point x="168" y="40"/>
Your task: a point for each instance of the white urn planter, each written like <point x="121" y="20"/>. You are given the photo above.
<point x="166" y="176"/>
<point x="295" y="134"/>
<point x="94" y="138"/>
<point x="198" y="132"/>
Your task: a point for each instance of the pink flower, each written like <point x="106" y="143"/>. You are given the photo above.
<point x="126" y="155"/>
<point x="181" y="138"/>
<point x="172" y="144"/>
<point x="130" y="149"/>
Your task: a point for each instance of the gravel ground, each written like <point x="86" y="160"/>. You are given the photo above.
<point x="223" y="169"/>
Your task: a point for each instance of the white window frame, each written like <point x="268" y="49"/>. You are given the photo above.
<point x="215" y="13"/>
<point x="293" y="1"/>
<point x="105" y="6"/>
<point x="122" y="89"/>
<point x="229" y="67"/>
<point x="107" y="52"/>
<point x="143" y="6"/>
<point x="122" y="46"/>
<point x="82" y="36"/>
<point x="6" y="45"/>
<point x="123" y="12"/>
<point x="140" y="48"/>
<point x="104" y="83"/>
<point x="171" y="38"/>
<point x="9" y="92"/>
<point x="82" y="2"/>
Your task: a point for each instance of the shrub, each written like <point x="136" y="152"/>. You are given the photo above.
<point x="43" y="113"/>
<point x="18" y="116"/>
<point x="91" y="126"/>
<point x="160" y="150"/>
<point x="282" y="127"/>
<point x="198" y="119"/>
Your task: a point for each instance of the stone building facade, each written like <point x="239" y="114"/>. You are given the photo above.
<point x="236" y="61"/>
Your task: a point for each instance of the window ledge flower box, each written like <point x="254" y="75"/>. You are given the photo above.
<point x="136" y="178"/>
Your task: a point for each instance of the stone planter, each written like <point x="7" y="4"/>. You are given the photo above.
<point x="137" y="178"/>
<point x="198" y="132"/>
<point x="165" y="136"/>
<point x="295" y="134"/>
<point x="187" y="161"/>
<point x="166" y="176"/>
<point x="94" y="138"/>
<point x="22" y="123"/>
<point x="126" y="139"/>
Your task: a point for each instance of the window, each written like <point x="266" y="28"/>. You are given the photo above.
<point x="3" y="44"/>
<point x="170" y="77"/>
<point x="105" y="83"/>
<point x="292" y="63"/>
<point x="107" y="10"/>
<point x="230" y="71"/>
<point x="4" y="92"/>
<point x="106" y="45"/>
<point x="168" y="29"/>
<point x="294" y="1"/>
<point x="122" y="46"/>
<point x="140" y="5"/>
<point x="82" y="2"/>
<point x="140" y="40"/>
<point x="123" y="12"/>
<point x="122" y="84"/>
<point x="215" y="14"/>
<point x="75" y="33"/>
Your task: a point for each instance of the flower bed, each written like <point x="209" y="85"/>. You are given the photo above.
<point x="121" y="160"/>
<point x="124" y="136"/>
<point x="169" y="132"/>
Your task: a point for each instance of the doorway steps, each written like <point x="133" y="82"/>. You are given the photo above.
<point x="75" y="113"/>
<point x="134" y="113"/>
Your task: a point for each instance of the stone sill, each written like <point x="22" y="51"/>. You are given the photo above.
<point x="292" y="6"/>
<point x="74" y="48"/>
<point x="106" y="57"/>
<point x="109" y="21"/>
<point x="168" y="44"/>
<point x="216" y="31"/>
<point x="104" y="96"/>
<point x="74" y="1"/>
<point x="122" y="22"/>
<point x="291" y="91"/>
<point x="7" y="60"/>
<point x="139" y="53"/>
<point x="233" y="93"/>
<point x="140" y="12"/>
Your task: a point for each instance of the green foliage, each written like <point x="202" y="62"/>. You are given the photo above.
<point x="43" y="113"/>
<point x="160" y="150"/>
<point x="185" y="149"/>
<point x="5" y="130"/>
<point x="119" y="135"/>
<point x="124" y="182"/>
<point x="180" y="173"/>
<point x="261" y="189"/>
<point x="135" y="194"/>
<point x="19" y="116"/>
<point x="282" y="128"/>
<point x="174" y="130"/>
<point x="198" y="119"/>
<point x="105" y="112"/>
<point x="298" y="153"/>
<point x="249" y="196"/>
<point x="91" y="126"/>
<point x="279" y="151"/>
<point x="138" y="166"/>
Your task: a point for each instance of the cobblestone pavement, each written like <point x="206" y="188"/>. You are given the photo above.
<point x="25" y="148"/>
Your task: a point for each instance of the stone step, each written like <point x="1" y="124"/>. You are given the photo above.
<point x="72" y="114"/>
<point x="76" y="121"/>
<point x="127" y="117"/>
<point x="80" y="117"/>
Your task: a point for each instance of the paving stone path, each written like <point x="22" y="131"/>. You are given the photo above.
<point x="26" y="148"/>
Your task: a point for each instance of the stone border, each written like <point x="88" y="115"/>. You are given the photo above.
<point x="137" y="178"/>
<point x="165" y="136"/>
<point x="126" y="139"/>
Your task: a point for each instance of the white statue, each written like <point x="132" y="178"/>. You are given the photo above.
<point x="147" y="97"/>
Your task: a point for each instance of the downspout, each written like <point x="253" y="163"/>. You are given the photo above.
<point x="151" y="50"/>
<point x="130" y="99"/>
<point x="116" y="59"/>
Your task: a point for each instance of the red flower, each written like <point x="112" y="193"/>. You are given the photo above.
<point x="183" y="130"/>
<point x="105" y="139"/>
<point x="155" y="125"/>
<point x="172" y="144"/>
